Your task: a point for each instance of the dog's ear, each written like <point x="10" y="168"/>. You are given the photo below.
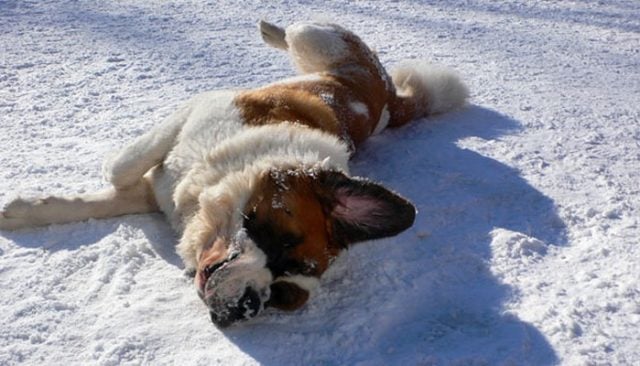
<point x="361" y="210"/>
<point x="287" y="296"/>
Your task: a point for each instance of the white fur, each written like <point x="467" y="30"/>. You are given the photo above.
<point x="133" y="161"/>
<point x="54" y="210"/>
<point x="251" y="152"/>
<point x="383" y="122"/>
<point x="307" y="283"/>
<point x="359" y="108"/>
<point x="315" y="46"/>
<point x="221" y="184"/>
<point x="249" y="270"/>
<point x="272" y="35"/>
<point x="435" y="88"/>
<point x="213" y="119"/>
<point x="215" y="162"/>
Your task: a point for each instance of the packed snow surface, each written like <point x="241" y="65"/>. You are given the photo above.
<point x="525" y="249"/>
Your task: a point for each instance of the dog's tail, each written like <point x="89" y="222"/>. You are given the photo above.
<point x="424" y="89"/>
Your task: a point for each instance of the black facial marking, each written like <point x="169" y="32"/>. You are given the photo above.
<point x="276" y="244"/>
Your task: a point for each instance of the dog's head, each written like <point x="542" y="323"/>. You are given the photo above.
<point x="266" y="245"/>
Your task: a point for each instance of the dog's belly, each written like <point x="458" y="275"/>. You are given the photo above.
<point x="213" y="118"/>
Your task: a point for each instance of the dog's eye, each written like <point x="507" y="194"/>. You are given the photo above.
<point x="290" y="240"/>
<point x="249" y="221"/>
<point x="250" y="216"/>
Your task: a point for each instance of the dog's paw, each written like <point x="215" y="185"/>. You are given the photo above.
<point x="273" y="35"/>
<point x="16" y="214"/>
<point x="11" y="223"/>
<point x="116" y="170"/>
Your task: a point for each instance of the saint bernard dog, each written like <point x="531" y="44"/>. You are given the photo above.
<point x="256" y="181"/>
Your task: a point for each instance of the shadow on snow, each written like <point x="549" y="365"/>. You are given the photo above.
<point x="75" y="235"/>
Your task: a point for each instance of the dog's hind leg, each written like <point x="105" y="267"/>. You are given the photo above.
<point x="314" y="46"/>
<point x="273" y="35"/>
<point x="22" y="213"/>
<point x="131" y="163"/>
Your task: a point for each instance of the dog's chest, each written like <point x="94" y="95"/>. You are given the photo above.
<point x="213" y="120"/>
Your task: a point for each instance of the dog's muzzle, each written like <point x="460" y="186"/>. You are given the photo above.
<point x="237" y="289"/>
<point x="247" y="307"/>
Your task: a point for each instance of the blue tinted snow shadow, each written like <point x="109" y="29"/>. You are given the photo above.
<point x="70" y="237"/>
<point x="428" y="295"/>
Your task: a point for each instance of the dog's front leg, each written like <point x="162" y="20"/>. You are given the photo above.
<point x="22" y="213"/>
<point x="129" y="165"/>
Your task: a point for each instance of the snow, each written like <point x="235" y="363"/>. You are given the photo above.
<point x="525" y="247"/>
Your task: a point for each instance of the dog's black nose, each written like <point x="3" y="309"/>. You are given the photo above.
<point x="248" y="307"/>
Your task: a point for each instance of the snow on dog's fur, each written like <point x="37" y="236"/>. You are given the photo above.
<point x="256" y="181"/>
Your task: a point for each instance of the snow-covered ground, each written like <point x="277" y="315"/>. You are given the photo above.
<point x="525" y="249"/>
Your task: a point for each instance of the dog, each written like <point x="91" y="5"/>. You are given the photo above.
<point x="256" y="181"/>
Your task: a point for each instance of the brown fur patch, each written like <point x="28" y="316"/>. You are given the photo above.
<point x="289" y="223"/>
<point x="326" y="104"/>
<point x="403" y="110"/>
<point x="365" y="77"/>
<point x="288" y="103"/>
